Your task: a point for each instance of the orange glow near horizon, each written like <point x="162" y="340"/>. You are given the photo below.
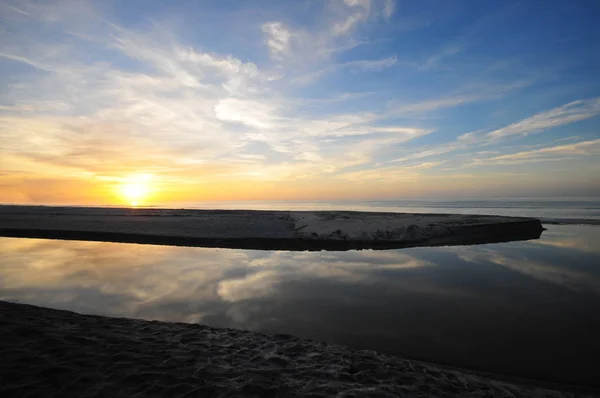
<point x="165" y="189"/>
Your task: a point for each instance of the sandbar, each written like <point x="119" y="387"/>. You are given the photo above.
<point x="264" y="230"/>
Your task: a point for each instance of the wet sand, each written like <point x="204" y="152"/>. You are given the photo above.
<point x="265" y="230"/>
<point x="49" y="352"/>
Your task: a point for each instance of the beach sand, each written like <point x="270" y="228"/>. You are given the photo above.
<point x="46" y="352"/>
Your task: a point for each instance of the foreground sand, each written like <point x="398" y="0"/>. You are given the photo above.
<point x="48" y="352"/>
<point x="267" y="230"/>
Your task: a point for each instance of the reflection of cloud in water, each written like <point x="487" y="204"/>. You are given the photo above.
<point x="278" y="267"/>
<point x="255" y="285"/>
<point x="585" y="238"/>
<point x="191" y="284"/>
<point x="561" y="275"/>
<point x="41" y="271"/>
<point x="350" y="265"/>
<point x="570" y="279"/>
<point x="169" y="283"/>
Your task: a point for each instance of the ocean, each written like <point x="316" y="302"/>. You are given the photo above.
<point x="574" y="210"/>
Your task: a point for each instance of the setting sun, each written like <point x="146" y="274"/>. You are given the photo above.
<point x="135" y="189"/>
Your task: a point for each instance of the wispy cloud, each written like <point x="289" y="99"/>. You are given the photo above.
<point x="358" y="12"/>
<point x="470" y="95"/>
<point x="448" y="51"/>
<point x="554" y="153"/>
<point x="580" y="148"/>
<point x="368" y="64"/>
<point x="278" y="38"/>
<point x="27" y="61"/>
<point x="565" y="114"/>
<point x="438" y="103"/>
<point x="429" y="153"/>
<point x="374" y="65"/>
<point x="562" y="115"/>
<point x="300" y="49"/>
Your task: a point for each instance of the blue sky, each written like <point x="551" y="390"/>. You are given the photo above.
<point x="300" y="99"/>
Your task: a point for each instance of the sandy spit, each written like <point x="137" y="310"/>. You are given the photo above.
<point x="47" y="352"/>
<point x="265" y="230"/>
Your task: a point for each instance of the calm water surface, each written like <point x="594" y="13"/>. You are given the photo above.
<point x="530" y="309"/>
<point x="575" y="208"/>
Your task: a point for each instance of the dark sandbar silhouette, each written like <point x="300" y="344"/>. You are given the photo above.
<point x="265" y="230"/>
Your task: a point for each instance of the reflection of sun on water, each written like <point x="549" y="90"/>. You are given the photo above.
<point x="135" y="189"/>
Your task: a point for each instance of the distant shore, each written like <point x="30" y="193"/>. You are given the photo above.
<point x="52" y="352"/>
<point x="265" y="230"/>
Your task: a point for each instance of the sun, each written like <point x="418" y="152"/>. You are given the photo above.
<point x="135" y="189"/>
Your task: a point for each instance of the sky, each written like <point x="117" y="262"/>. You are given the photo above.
<point x="163" y="102"/>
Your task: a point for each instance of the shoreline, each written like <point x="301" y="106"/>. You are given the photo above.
<point x="90" y="355"/>
<point x="264" y="230"/>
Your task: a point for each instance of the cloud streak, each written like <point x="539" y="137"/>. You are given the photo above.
<point x="554" y="153"/>
<point x="565" y="114"/>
